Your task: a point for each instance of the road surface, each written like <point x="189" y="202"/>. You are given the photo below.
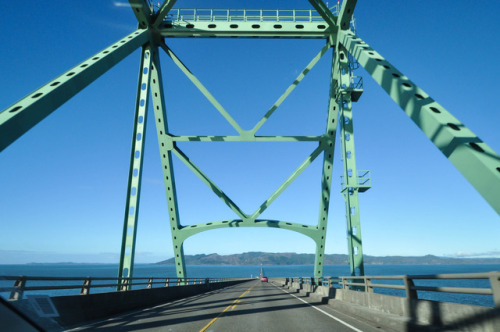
<point x="251" y="306"/>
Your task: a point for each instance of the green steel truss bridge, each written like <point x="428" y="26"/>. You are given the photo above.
<point x="473" y="158"/>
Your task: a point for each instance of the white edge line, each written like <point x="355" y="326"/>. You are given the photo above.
<point x="322" y="311"/>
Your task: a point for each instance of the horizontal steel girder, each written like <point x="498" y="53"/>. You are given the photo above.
<point x="246" y="138"/>
<point x="479" y="163"/>
<point x="198" y="29"/>
<point x="26" y="113"/>
<point x="311" y="231"/>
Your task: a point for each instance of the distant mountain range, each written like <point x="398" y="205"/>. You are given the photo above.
<point x="257" y="258"/>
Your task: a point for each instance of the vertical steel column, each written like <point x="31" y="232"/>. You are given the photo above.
<point x="326" y="180"/>
<point x="350" y="188"/>
<point x="166" y="146"/>
<point x="135" y="171"/>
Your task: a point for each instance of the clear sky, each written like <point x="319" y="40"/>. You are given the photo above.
<point x="63" y="184"/>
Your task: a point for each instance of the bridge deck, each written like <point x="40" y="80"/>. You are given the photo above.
<point x="251" y="306"/>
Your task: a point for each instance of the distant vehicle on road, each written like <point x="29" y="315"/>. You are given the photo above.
<point x="262" y="277"/>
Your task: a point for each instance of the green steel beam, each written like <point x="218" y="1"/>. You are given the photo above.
<point x="288" y="181"/>
<point x="310" y="231"/>
<point x="477" y="162"/>
<point x="196" y="170"/>
<point x="202" y="89"/>
<point x="142" y="12"/>
<point x="245" y="139"/>
<point x="244" y="23"/>
<point x="325" y="13"/>
<point x="135" y="172"/>
<point x="351" y="193"/>
<point x="354" y="243"/>
<point x="326" y="174"/>
<point x="29" y="111"/>
<point x="164" y="9"/>
<point x="289" y="90"/>
<point x="346" y="13"/>
<point x="166" y="145"/>
<point x="180" y="232"/>
<point x="196" y="29"/>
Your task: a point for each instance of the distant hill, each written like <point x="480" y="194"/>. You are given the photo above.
<point x="257" y="258"/>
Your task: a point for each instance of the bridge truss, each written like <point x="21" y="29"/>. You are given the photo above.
<point x="472" y="157"/>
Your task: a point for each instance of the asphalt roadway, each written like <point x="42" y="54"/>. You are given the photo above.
<point x="251" y="306"/>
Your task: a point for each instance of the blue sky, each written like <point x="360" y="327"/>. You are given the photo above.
<point x="63" y="184"/>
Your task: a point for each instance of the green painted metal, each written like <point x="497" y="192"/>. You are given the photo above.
<point x="345" y="97"/>
<point x="291" y="88"/>
<point x="474" y="159"/>
<point x="164" y="10"/>
<point x="345" y="15"/>
<point x="202" y="88"/>
<point x="477" y="162"/>
<point x="142" y="12"/>
<point x="350" y="192"/>
<point x="246" y="138"/>
<point x="288" y="181"/>
<point x="210" y="183"/>
<point x="166" y="145"/>
<point x="326" y="178"/>
<point x="135" y="172"/>
<point x="325" y="13"/>
<point x="249" y="23"/>
<point x="307" y="230"/>
<point x="29" y="111"/>
<point x="326" y="143"/>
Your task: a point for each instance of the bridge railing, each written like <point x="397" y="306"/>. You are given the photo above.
<point x="407" y="286"/>
<point x="243" y="15"/>
<point x="53" y="285"/>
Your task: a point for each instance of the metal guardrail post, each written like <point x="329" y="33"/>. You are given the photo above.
<point x="150" y="283"/>
<point x="124" y="284"/>
<point x="17" y="293"/>
<point x="86" y="286"/>
<point x="167" y="282"/>
<point x="411" y="294"/>
<point x="495" y="287"/>
<point x="344" y="283"/>
<point x="368" y="285"/>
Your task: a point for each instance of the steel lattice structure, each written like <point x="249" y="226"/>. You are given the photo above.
<point x="472" y="157"/>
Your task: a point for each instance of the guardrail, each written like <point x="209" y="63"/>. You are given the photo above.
<point x="88" y="283"/>
<point x="407" y="284"/>
<point x="243" y="15"/>
<point x="362" y="180"/>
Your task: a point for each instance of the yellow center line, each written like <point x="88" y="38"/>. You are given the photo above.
<point x="235" y="304"/>
<point x="232" y="306"/>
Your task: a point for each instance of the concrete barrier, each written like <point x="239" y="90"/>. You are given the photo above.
<point x="400" y="313"/>
<point x="81" y="309"/>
